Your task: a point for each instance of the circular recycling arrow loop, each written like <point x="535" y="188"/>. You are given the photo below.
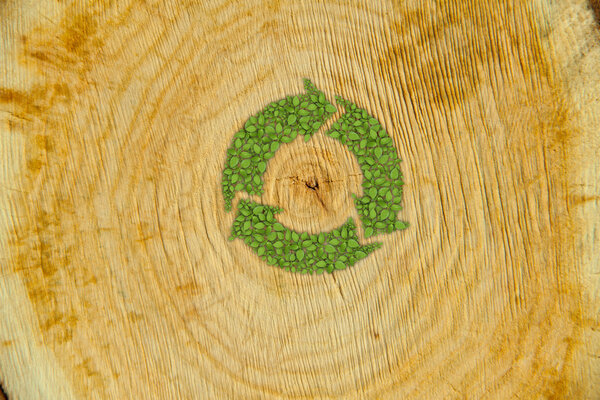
<point x="281" y="122"/>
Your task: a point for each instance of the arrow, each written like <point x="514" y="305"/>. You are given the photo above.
<point x="294" y="251"/>
<point x="376" y="155"/>
<point x="279" y="122"/>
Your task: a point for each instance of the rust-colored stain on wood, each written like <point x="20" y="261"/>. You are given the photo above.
<point x="595" y="5"/>
<point x="115" y="228"/>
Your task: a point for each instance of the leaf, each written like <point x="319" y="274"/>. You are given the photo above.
<point x="339" y="265"/>
<point x="330" y="108"/>
<point x="368" y="232"/>
<point x="291" y="119"/>
<point x="262" y="166"/>
<point x="278" y="244"/>
<point x="300" y="255"/>
<point x="401" y="225"/>
<point x="274" y="147"/>
<point x="233" y="161"/>
<point x="353" y="136"/>
<point x="353" y="244"/>
<point x="329" y="248"/>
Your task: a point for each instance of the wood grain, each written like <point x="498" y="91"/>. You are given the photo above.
<point x="117" y="279"/>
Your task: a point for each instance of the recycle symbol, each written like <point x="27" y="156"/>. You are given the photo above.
<point x="281" y="122"/>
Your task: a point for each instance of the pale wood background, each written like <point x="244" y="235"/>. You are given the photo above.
<point x="117" y="280"/>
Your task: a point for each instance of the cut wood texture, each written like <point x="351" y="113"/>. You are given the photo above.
<point x="117" y="277"/>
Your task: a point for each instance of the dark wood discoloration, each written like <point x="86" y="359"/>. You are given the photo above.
<point x="595" y="6"/>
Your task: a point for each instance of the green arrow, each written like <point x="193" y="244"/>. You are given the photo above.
<point x="316" y="253"/>
<point x="380" y="165"/>
<point x="279" y="122"/>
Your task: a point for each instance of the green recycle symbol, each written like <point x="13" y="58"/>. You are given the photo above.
<point x="281" y="122"/>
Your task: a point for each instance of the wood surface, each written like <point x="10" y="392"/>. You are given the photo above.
<point x="117" y="280"/>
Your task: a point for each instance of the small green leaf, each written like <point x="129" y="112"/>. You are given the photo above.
<point x="353" y="244"/>
<point x="262" y="166"/>
<point x="233" y="161"/>
<point x="300" y="255"/>
<point x="329" y="248"/>
<point x="368" y="232"/>
<point x="291" y="119"/>
<point x="339" y="265"/>
<point x="330" y="108"/>
<point x="400" y="225"/>
<point x="274" y="147"/>
<point x="278" y="244"/>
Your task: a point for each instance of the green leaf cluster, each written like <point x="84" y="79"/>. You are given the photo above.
<point x="380" y="165"/>
<point x="253" y="145"/>
<point x="295" y="251"/>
